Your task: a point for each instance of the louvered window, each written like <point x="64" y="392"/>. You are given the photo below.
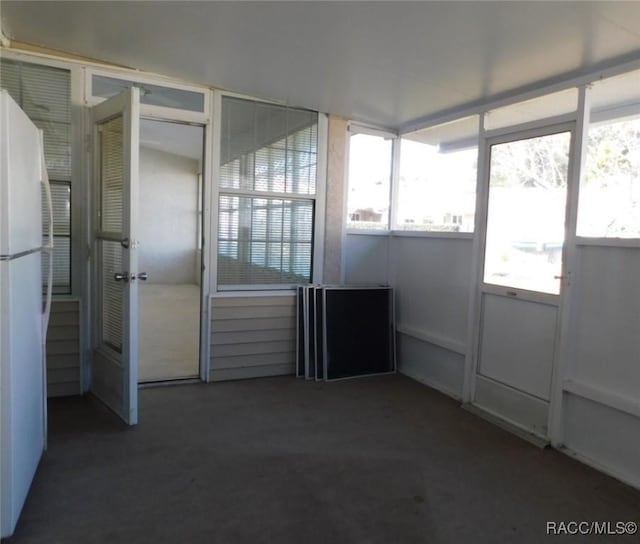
<point x="43" y="92"/>
<point x="266" y="206"/>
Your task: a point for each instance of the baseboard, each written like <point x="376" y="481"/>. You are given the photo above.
<point x="509" y="426"/>
<point x="434" y="385"/>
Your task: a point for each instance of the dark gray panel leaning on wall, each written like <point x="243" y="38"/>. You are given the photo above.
<point x="359" y="331"/>
<point x="319" y="335"/>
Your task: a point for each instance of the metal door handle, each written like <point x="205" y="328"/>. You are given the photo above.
<point x="121" y="276"/>
<point x="143" y="276"/>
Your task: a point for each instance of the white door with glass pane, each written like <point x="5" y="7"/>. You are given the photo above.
<point x="114" y="368"/>
<point x="522" y="275"/>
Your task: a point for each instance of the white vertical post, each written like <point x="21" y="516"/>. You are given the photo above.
<point x="562" y="353"/>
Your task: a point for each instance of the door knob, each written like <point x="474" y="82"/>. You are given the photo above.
<point x="143" y="276"/>
<point x="121" y="276"/>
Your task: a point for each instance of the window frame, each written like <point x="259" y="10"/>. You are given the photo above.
<point x="354" y="128"/>
<point x="147" y="110"/>
<point x="76" y="120"/>
<point x="317" y="199"/>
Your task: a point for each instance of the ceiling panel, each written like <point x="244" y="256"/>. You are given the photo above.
<point x="386" y="63"/>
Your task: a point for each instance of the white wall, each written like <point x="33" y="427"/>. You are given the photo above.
<point x="168" y="217"/>
<point x="366" y="259"/>
<point x="432" y="279"/>
<point x="601" y="417"/>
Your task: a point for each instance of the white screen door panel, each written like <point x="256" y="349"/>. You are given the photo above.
<point x="523" y="266"/>
<point x="114" y="375"/>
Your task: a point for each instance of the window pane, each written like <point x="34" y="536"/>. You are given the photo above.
<point x="437" y="190"/>
<point x="111" y="294"/>
<point x="526" y="216"/>
<point x="61" y="257"/>
<point x="265" y="147"/>
<point x="609" y="203"/>
<point x="438" y="171"/>
<point x="369" y="182"/>
<point x="264" y="241"/>
<point x="111" y="175"/>
<point x="153" y="95"/>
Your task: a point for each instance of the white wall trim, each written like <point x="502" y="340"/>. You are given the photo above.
<point x="367" y="232"/>
<point x="432" y="234"/>
<point x="606" y="69"/>
<point x="253" y="294"/>
<point x="608" y="242"/>
<point x="430" y="383"/>
<point x="603" y="396"/>
<point x="450" y="344"/>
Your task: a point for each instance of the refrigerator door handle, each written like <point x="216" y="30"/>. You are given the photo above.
<point x="48" y="250"/>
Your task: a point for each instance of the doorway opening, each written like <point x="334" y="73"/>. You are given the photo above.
<point x="170" y="250"/>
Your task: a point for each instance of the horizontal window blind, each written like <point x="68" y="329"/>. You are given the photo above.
<point x="264" y="241"/>
<point x="266" y="148"/>
<point x="61" y="200"/>
<point x="111" y="175"/>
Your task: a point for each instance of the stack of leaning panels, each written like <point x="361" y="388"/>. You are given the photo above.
<point x="344" y="331"/>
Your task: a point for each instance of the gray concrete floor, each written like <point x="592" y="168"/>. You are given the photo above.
<point x="280" y="460"/>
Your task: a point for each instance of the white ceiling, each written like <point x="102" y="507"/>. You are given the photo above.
<point x="387" y="63"/>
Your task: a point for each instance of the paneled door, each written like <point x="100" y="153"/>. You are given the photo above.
<point x="114" y="369"/>
<point x="523" y="266"/>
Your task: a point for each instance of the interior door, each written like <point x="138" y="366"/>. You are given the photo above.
<point x="114" y="377"/>
<point x="521" y="284"/>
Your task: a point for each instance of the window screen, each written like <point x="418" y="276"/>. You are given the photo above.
<point x="267" y="194"/>
<point x="437" y="181"/>
<point x="44" y="93"/>
<point x="369" y="182"/>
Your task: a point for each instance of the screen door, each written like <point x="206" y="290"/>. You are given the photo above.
<point x="522" y="276"/>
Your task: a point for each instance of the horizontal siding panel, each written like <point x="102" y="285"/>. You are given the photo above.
<point x="237" y="325"/>
<point x="66" y="332"/>
<point x="259" y="359"/>
<point x="252" y="372"/>
<point x="71" y="360"/>
<point x="235" y="302"/>
<point x="63" y="375"/>
<point x="248" y="312"/>
<point x="63" y="389"/>
<point x="63" y="347"/>
<point x="64" y="318"/>
<point x="248" y="337"/>
<point x="61" y="306"/>
<point x="251" y="349"/>
<point x="252" y="336"/>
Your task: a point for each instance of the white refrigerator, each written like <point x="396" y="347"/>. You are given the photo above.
<point x="22" y="319"/>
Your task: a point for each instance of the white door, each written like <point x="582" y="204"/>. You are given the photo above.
<point x="114" y="377"/>
<point x="526" y="188"/>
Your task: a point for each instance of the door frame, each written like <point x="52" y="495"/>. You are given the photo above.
<point x="575" y="122"/>
<point x="204" y="120"/>
<point x="204" y="311"/>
